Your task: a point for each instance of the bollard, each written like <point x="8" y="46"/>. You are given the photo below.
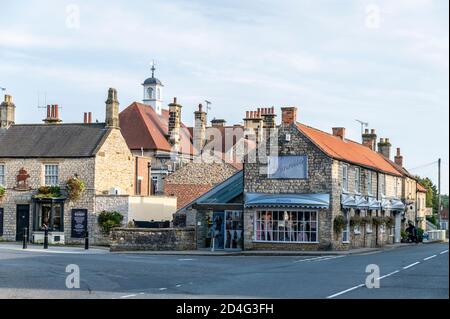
<point x="25" y="237"/>
<point x="86" y="240"/>
<point x="46" y="238"/>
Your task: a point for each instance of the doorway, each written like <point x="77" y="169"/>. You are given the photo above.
<point x="22" y="221"/>
<point x="227" y="230"/>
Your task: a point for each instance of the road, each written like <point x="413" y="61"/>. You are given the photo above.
<point x="409" y="272"/>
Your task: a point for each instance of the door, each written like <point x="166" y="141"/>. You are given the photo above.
<point x="22" y="221"/>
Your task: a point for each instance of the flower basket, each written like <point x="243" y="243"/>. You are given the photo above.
<point x="339" y="223"/>
<point x="2" y="192"/>
<point x="75" y="187"/>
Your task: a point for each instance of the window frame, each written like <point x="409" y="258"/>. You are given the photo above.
<point x="297" y="233"/>
<point x="345" y="168"/>
<point x="2" y="174"/>
<point x="357" y="180"/>
<point x="51" y="175"/>
<point x="369" y="183"/>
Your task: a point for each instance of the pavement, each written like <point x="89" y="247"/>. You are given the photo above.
<point x="409" y="271"/>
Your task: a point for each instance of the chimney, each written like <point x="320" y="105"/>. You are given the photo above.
<point x="85" y="118"/>
<point x="7" y="112"/>
<point x="339" y="132"/>
<point x="289" y="115"/>
<point x="174" y="123"/>
<point x="399" y="158"/>
<point x="90" y="117"/>
<point x="112" y="109"/>
<point x="199" y="128"/>
<point x="269" y="118"/>
<point x="384" y="147"/>
<point x="52" y="115"/>
<point x="218" y="123"/>
<point x="370" y="139"/>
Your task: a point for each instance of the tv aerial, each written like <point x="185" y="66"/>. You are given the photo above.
<point x="208" y="105"/>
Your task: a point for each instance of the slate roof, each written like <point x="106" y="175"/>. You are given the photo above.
<point x="348" y="151"/>
<point x="142" y="127"/>
<point x="52" y="140"/>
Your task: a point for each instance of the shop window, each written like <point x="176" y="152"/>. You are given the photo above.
<point x="286" y="226"/>
<point x="51" y="175"/>
<point x="346" y="230"/>
<point x="49" y="214"/>
<point x="2" y="175"/>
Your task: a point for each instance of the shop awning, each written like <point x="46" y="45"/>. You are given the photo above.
<point x="397" y="205"/>
<point x="354" y="201"/>
<point x="287" y="200"/>
<point x="374" y="203"/>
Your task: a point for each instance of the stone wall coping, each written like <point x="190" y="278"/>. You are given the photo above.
<point x="153" y="230"/>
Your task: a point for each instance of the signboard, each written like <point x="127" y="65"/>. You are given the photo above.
<point x="79" y="222"/>
<point x="1" y="221"/>
<point x="287" y="167"/>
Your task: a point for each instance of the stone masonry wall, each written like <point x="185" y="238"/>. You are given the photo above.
<point x="174" y="239"/>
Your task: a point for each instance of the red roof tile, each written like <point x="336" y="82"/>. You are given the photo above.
<point x="420" y="188"/>
<point x="142" y="127"/>
<point x="347" y="150"/>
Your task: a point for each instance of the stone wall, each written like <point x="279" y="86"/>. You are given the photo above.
<point x="114" y="165"/>
<point x="137" y="239"/>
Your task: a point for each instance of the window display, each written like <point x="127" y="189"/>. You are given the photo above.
<point x="286" y="226"/>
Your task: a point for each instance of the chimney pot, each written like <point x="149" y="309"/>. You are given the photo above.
<point x="85" y="118"/>
<point x="372" y="131"/>
<point x="398" y="151"/>
<point x="48" y="111"/>
<point x="366" y="131"/>
<point x="90" y="117"/>
<point x="289" y="115"/>
<point x="200" y="107"/>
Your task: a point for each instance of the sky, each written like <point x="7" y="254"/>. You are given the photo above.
<point x="385" y="62"/>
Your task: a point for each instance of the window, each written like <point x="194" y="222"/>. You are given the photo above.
<point x="155" y="185"/>
<point x="286" y="226"/>
<point x="345" y="178"/>
<point x="2" y="175"/>
<point x="150" y="93"/>
<point x="396" y="187"/>
<point x="358" y="180"/>
<point x="369" y="183"/>
<point x="369" y="224"/>
<point x="383" y="184"/>
<point x="357" y="228"/>
<point x="345" y="231"/>
<point x="49" y="214"/>
<point x="51" y="175"/>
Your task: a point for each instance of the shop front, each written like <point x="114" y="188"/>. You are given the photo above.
<point x="225" y="230"/>
<point x="48" y="214"/>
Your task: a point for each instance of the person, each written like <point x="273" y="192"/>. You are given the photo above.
<point x="412" y="233"/>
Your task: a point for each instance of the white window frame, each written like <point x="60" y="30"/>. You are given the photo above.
<point x="256" y="220"/>
<point x="2" y="174"/>
<point x="396" y="186"/>
<point x="383" y="184"/>
<point x="357" y="180"/>
<point x="346" y="230"/>
<point x="369" y="183"/>
<point x="345" y="178"/>
<point x="51" y="174"/>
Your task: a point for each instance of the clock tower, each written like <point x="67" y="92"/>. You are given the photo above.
<point x="153" y="89"/>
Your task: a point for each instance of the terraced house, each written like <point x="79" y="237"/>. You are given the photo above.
<point x="37" y="161"/>
<point x="315" y="191"/>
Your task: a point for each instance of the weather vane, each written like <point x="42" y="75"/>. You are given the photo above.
<point x="153" y="68"/>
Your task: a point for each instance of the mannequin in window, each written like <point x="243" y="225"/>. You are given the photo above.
<point x="268" y="226"/>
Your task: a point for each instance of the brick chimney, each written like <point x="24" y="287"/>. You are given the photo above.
<point x="254" y="123"/>
<point x="7" y="112"/>
<point x="199" y="128"/>
<point x="384" y="147"/>
<point x="112" y="109"/>
<point x="399" y="158"/>
<point x="268" y="115"/>
<point x="174" y="123"/>
<point x="370" y="139"/>
<point x="87" y="118"/>
<point x="339" y="132"/>
<point x="218" y="123"/>
<point x="288" y="115"/>
<point x="52" y="114"/>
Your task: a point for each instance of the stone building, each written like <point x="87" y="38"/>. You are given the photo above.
<point x="289" y="197"/>
<point x="37" y="161"/>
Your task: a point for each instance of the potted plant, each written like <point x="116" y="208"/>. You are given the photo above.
<point x="109" y="220"/>
<point x="389" y="221"/>
<point x="2" y="192"/>
<point x="339" y="224"/>
<point x="48" y="192"/>
<point x="356" y="220"/>
<point x="75" y="187"/>
<point x="377" y="221"/>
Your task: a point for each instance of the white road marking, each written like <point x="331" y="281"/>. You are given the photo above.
<point x="443" y="252"/>
<point x="392" y="273"/>
<point x="128" y="296"/>
<point x="178" y="286"/>
<point x="162" y="289"/>
<point x="309" y="259"/>
<point x="345" y="291"/>
<point x="186" y="259"/>
<point x="428" y="258"/>
<point x="412" y="265"/>
<point x="334" y="257"/>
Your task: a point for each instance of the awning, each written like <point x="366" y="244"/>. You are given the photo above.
<point x="287" y="200"/>
<point x="356" y="202"/>
<point x="386" y="204"/>
<point x="374" y="203"/>
<point x="397" y="205"/>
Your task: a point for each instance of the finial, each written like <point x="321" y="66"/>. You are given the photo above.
<point x="153" y="68"/>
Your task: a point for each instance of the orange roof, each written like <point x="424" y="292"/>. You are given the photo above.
<point x="142" y="127"/>
<point x="420" y="188"/>
<point x="347" y="150"/>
